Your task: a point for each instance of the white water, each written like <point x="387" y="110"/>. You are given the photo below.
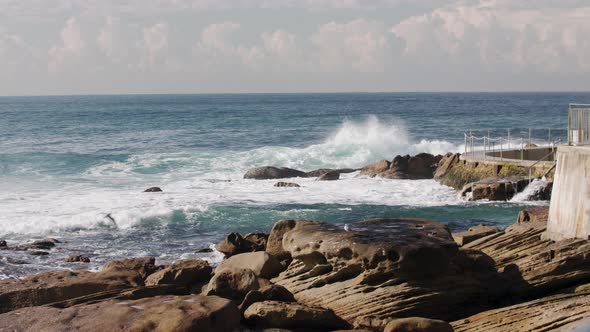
<point x="534" y="187"/>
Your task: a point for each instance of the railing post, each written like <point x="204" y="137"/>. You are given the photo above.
<point x="508" y="138"/>
<point x="465" y="137"/>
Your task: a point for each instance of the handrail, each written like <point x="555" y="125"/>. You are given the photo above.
<point x="530" y="167"/>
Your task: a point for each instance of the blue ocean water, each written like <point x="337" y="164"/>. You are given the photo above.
<point x="68" y="162"/>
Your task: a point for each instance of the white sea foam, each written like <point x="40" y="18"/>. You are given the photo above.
<point x="194" y="182"/>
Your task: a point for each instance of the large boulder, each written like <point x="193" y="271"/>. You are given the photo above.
<point x="234" y="243"/>
<point x="275" y="239"/>
<point x="292" y="315"/>
<point x="420" y="166"/>
<point x="160" y="313"/>
<point x="56" y="286"/>
<point x="418" y="324"/>
<point x="375" y="168"/>
<point x="271" y="172"/>
<point x="388" y="267"/>
<point x="232" y="283"/>
<point x="267" y="293"/>
<point x="261" y="263"/>
<point x="494" y="188"/>
<point x="184" y="272"/>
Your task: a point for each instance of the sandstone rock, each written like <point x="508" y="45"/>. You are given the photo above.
<point x="160" y="313"/>
<point x="287" y="184"/>
<point x="56" y="286"/>
<point x="78" y="259"/>
<point x="232" y="283"/>
<point x="445" y="164"/>
<point x="375" y="168"/>
<point x="494" y="188"/>
<point x="329" y="176"/>
<point x="267" y="293"/>
<point x="550" y="313"/>
<point x="417" y="324"/>
<point x="261" y="263"/>
<point x="292" y="315"/>
<point x="275" y="239"/>
<point x="153" y="190"/>
<point x="234" y="243"/>
<point x="270" y="172"/>
<point x="474" y="233"/>
<point x="184" y="272"/>
<point x="382" y="269"/>
<point x="538" y="214"/>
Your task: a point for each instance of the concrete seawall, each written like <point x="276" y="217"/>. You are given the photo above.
<point x="569" y="214"/>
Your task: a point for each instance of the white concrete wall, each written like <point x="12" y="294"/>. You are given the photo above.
<point x="569" y="214"/>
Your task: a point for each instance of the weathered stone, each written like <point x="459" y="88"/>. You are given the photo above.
<point x="184" y="272"/>
<point x="292" y="315"/>
<point x="374" y="169"/>
<point x="474" y="233"/>
<point x="261" y="263"/>
<point x="494" y="188"/>
<point x="275" y="239"/>
<point x="537" y="214"/>
<point x="287" y="184"/>
<point x="232" y="283"/>
<point x="160" y="313"/>
<point x="550" y="313"/>
<point x="266" y="293"/>
<point x="271" y="172"/>
<point x="417" y="324"/>
<point x="153" y="190"/>
<point x="445" y="165"/>
<point x="55" y="286"/>
<point x="234" y="243"/>
<point x="330" y="176"/>
<point x="384" y="268"/>
<point x="78" y="259"/>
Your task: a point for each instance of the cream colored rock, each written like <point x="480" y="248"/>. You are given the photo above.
<point x="292" y="315"/>
<point x="417" y="324"/>
<point x="184" y="272"/>
<point x="232" y="283"/>
<point x="260" y="262"/>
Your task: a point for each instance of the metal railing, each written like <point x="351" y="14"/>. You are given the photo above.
<point x="578" y="124"/>
<point x="497" y="144"/>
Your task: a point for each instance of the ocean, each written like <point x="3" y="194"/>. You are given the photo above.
<point x="66" y="163"/>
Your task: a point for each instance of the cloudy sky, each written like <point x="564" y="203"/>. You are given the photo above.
<point x="202" y="46"/>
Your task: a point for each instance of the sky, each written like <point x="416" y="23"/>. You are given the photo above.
<point x="65" y="47"/>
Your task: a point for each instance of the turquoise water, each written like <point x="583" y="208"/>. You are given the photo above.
<point x="68" y="162"/>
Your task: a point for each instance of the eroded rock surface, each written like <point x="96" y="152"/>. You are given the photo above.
<point x="292" y="315"/>
<point x="160" y="313"/>
<point x="418" y="324"/>
<point x="420" y="166"/>
<point x="232" y="283"/>
<point x="261" y="263"/>
<point x="474" y="233"/>
<point x="234" y="243"/>
<point x="184" y="272"/>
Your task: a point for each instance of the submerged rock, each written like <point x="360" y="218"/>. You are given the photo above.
<point x="287" y="184"/>
<point x="45" y="244"/>
<point x="292" y="315"/>
<point x="3" y="243"/>
<point x="322" y="171"/>
<point x="159" y="313"/>
<point x="153" y="190"/>
<point x="78" y="259"/>
<point x="329" y="176"/>
<point x="271" y="172"/>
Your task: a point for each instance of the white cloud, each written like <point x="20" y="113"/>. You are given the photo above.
<point x="359" y="45"/>
<point x="71" y="46"/>
<point x="498" y="34"/>
<point x="155" y="44"/>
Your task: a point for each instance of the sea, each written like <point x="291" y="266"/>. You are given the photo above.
<point x="74" y="168"/>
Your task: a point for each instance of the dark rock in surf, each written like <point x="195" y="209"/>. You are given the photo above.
<point x="287" y="184"/>
<point x="3" y="244"/>
<point x="45" y="244"/>
<point x="78" y="259"/>
<point x="271" y="172"/>
<point x="153" y="190"/>
<point x="204" y="250"/>
<point x="322" y="171"/>
<point x="38" y="253"/>
<point x="330" y="176"/>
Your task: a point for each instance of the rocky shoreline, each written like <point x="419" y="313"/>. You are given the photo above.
<point x="307" y="275"/>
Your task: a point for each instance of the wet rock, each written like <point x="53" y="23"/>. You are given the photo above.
<point x="38" y="253"/>
<point x="329" y="176"/>
<point x="287" y="184"/>
<point x="322" y="171"/>
<point x="494" y="188"/>
<point x="56" y="286"/>
<point x="232" y="283"/>
<point x="45" y="244"/>
<point x="3" y="243"/>
<point x="78" y="259"/>
<point x="234" y="243"/>
<point x="267" y="293"/>
<point x="204" y="250"/>
<point x="160" y="313"/>
<point x="292" y="315"/>
<point x="153" y="190"/>
<point x="184" y="273"/>
<point x="376" y="168"/>
<point x="270" y="172"/>
<point x="474" y="233"/>
<point x="418" y="324"/>
<point x="261" y="263"/>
